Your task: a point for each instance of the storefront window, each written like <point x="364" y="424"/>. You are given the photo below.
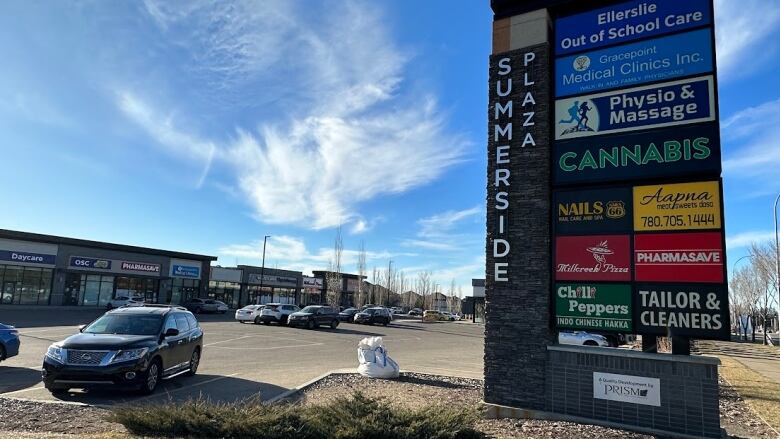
<point x="227" y="292"/>
<point x="137" y="287"/>
<point x="284" y="295"/>
<point x="24" y="285"/>
<point x="184" y="289"/>
<point x="96" y="290"/>
<point x="258" y="296"/>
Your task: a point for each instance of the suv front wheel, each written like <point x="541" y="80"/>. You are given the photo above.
<point x="151" y="378"/>
<point x="194" y="362"/>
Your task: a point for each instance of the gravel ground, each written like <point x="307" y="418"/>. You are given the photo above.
<point x="36" y="420"/>
<point x="29" y="416"/>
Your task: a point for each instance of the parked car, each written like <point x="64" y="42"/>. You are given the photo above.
<point x="125" y="301"/>
<point x="582" y="338"/>
<point x="447" y="316"/>
<point x="365" y="307"/>
<point x="9" y="342"/>
<point x="277" y="313"/>
<point x="249" y="313"/>
<point x="415" y="312"/>
<point x="348" y="314"/>
<point x="314" y="316"/>
<point x="222" y="307"/>
<point x="374" y="315"/>
<point x="397" y="310"/>
<point x="433" y="315"/>
<point x="126" y="348"/>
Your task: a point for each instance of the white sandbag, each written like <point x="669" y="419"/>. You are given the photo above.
<point x="374" y="361"/>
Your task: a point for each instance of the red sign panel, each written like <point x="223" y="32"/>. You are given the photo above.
<point x="679" y="257"/>
<point x="597" y="257"/>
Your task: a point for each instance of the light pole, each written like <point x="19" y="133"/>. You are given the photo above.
<point x="262" y="269"/>
<point x="777" y="266"/>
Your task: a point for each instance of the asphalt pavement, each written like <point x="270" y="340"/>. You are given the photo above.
<point x="245" y="360"/>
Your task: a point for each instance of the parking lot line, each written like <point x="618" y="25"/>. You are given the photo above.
<point x="271" y="347"/>
<point x="230" y="339"/>
<point x="22" y="390"/>
<point x="169" y="392"/>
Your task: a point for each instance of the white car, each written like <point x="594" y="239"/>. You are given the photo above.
<point x="222" y="307"/>
<point x="277" y="313"/>
<point x="581" y="338"/>
<point x="120" y="301"/>
<point x="249" y="313"/>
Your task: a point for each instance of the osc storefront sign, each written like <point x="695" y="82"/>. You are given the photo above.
<point x="626" y="22"/>
<point x="18" y="257"/>
<point x="687" y="310"/>
<point x="652" y="106"/>
<point x="659" y="59"/>
<point x="627" y="388"/>
<point x="679" y="257"/>
<point x="605" y="307"/>
<point x="589" y="258"/>
<point x="684" y="206"/>
<point x="680" y="151"/>
<point x="592" y="211"/>
<point x="90" y="263"/>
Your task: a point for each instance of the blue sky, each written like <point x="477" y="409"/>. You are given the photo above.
<point x="200" y="127"/>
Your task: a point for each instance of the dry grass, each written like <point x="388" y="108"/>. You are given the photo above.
<point x="760" y="393"/>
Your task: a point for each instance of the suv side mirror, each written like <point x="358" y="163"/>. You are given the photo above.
<point x="171" y="332"/>
<point x="81" y="328"/>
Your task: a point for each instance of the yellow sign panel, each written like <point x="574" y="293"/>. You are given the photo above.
<point x="683" y="206"/>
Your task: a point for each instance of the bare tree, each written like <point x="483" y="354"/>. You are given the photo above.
<point x="374" y="282"/>
<point x="424" y="287"/>
<point x="361" y="268"/>
<point x="334" y="271"/>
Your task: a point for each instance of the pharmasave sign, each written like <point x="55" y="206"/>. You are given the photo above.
<point x="652" y="106"/>
<point x="659" y="59"/>
<point x="139" y="267"/>
<point x="679" y="257"/>
<point x="597" y="257"/>
<point x="684" y="206"/>
<point x="605" y="307"/>
<point x="699" y="311"/>
<point x="672" y="152"/>
<point x="592" y="211"/>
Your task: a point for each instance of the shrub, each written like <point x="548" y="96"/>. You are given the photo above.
<point x="354" y="417"/>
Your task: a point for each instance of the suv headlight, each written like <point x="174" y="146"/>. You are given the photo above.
<point x="129" y="355"/>
<point x="56" y="353"/>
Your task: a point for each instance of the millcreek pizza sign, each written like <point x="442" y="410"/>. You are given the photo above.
<point x="637" y="204"/>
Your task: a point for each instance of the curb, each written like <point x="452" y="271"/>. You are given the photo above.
<point x="308" y="384"/>
<point x="43" y="401"/>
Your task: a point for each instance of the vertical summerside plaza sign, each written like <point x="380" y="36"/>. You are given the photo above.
<point x="604" y="212"/>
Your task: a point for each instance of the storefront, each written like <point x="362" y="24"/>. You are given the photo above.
<point x="311" y="291"/>
<point x="225" y="285"/>
<point x="51" y="270"/>
<point x="270" y="285"/>
<point x="26" y="271"/>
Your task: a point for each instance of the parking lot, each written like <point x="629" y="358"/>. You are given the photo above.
<point x="246" y="360"/>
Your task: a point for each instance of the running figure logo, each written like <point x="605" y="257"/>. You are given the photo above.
<point x="579" y="115"/>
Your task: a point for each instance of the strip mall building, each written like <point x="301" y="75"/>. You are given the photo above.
<point x="40" y="269"/>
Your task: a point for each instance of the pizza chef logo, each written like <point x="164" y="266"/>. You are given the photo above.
<point x="600" y="252"/>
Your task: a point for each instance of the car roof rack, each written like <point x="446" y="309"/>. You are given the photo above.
<point x="157" y="305"/>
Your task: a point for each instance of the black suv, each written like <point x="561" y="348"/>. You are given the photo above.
<point x="374" y="315"/>
<point x="129" y="348"/>
<point x="314" y="316"/>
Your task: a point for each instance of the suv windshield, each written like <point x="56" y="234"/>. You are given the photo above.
<point x="125" y="324"/>
<point x="310" y="309"/>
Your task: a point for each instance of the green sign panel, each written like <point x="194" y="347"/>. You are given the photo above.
<point x="603" y="307"/>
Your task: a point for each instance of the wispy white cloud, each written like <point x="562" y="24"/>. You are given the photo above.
<point x="346" y="131"/>
<point x="438" y="232"/>
<point x="742" y="34"/>
<point x="754" y="128"/>
<point x="428" y="245"/>
<point x="292" y="253"/>
<point x="745" y="239"/>
<point x="442" y="223"/>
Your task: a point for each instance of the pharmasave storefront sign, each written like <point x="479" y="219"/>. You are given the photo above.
<point x="597" y="257"/>
<point x="653" y="106"/>
<point x="139" y="267"/>
<point x="684" y="206"/>
<point x="592" y="211"/>
<point x="679" y="257"/>
<point x="626" y="22"/>
<point x="672" y="152"/>
<point x="86" y="263"/>
<point x="699" y="311"/>
<point x="605" y="307"/>
<point x="627" y="388"/>
<point x="659" y="59"/>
